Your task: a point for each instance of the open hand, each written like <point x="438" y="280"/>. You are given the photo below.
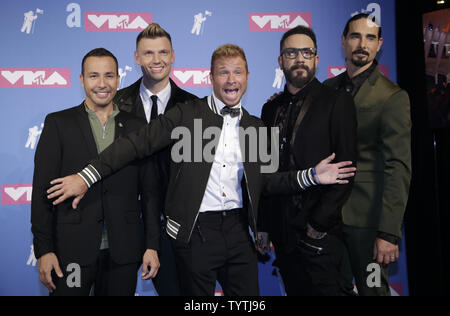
<point x="334" y="173"/>
<point x="64" y="188"/>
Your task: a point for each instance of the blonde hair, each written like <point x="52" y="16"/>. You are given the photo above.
<point x="228" y="50"/>
<point x="152" y="31"/>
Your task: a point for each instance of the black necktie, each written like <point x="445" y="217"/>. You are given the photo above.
<point x="232" y="111"/>
<point x="154" y="113"/>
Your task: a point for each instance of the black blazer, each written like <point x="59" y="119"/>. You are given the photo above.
<point x="188" y="180"/>
<point x="329" y="126"/>
<point x="65" y="146"/>
<point x="128" y="99"/>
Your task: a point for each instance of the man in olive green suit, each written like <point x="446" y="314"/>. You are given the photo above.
<point x="373" y="215"/>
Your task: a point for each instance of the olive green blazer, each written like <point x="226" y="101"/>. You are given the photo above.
<point x="381" y="187"/>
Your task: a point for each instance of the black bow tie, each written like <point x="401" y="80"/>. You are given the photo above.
<point x="232" y="111"/>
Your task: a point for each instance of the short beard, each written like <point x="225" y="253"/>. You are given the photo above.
<point x="299" y="81"/>
<point x="360" y="62"/>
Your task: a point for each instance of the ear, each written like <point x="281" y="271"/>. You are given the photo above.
<point x="172" y="60"/>
<point x="82" y="81"/>
<point x="343" y="41"/>
<point x="380" y="43"/>
<point x="316" y="60"/>
<point x="280" y="61"/>
<point x="136" y="58"/>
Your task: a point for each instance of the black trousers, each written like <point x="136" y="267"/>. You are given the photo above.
<point x="166" y="281"/>
<point x="104" y="277"/>
<point x="220" y="250"/>
<point x="313" y="268"/>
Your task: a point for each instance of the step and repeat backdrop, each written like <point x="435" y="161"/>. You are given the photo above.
<point x="43" y="42"/>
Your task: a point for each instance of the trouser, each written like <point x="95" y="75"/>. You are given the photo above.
<point x="313" y="268"/>
<point x="220" y="250"/>
<point x="371" y="279"/>
<point x="106" y="277"/>
<point x="166" y="281"/>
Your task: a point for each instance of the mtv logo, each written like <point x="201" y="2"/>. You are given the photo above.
<point x="16" y="194"/>
<point x="396" y="289"/>
<point x="334" y="71"/>
<point x="116" y="21"/>
<point x="34" y="78"/>
<point x="373" y="9"/>
<point x="192" y="77"/>
<point x="278" y="22"/>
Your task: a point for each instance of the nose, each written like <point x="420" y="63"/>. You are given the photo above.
<point x="300" y="59"/>
<point x="363" y="42"/>
<point x="156" y="59"/>
<point x="231" y="78"/>
<point x="102" y="82"/>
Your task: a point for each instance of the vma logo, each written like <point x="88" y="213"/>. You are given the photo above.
<point x="278" y="22"/>
<point x="373" y="9"/>
<point x="334" y="71"/>
<point x="34" y="77"/>
<point x="16" y="194"/>
<point x="116" y="21"/>
<point x="192" y="77"/>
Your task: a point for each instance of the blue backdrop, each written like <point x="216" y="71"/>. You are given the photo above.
<point x="43" y="42"/>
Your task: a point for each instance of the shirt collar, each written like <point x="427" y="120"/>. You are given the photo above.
<point x="220" y="105"/>
<point x="92" y="113"/>
<point x="163" y="95"/>
<point x="364" y="75"/>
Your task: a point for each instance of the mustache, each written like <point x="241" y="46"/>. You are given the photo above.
<point x="299" y="66"/>
<point x="360" y="51"/>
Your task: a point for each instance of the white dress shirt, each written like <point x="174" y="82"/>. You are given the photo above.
<point x="224" y="189"/>
<point x="163" y="99"/>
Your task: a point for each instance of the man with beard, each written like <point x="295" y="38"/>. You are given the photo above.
<point x="314" y="121"/>
<point x="374" y="212"/>
<point x="211" y="202"/>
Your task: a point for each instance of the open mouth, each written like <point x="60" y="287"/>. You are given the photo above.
<point x="231" y="92"/>
<point x="103" y="94"/>
<point x="156" y="69"/>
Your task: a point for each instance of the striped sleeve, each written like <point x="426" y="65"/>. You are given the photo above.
<point x="90" y="175"/>
<point x="305" y="178"/>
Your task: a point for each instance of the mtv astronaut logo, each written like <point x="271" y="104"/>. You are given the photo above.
<point x="33" y="135"/>
<point x="199" y="20"/>
<point x="29" y="21"/>
<point x="32" y="258"/>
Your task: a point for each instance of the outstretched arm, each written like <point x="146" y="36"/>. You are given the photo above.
<point x="324" y="173"/>
<point x="137" y="145"/>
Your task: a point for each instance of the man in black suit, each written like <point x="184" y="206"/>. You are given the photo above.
<point x="214" y="191"/>
<point x="314" y="122"/>
<point x="155" y="55"/>
<point x="103" y="240"/>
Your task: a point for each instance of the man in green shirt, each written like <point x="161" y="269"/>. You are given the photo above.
<point x="102" y="243"/>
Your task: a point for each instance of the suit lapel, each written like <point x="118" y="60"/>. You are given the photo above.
<point x="310" y="97"/>
<point x="120" y="129"/>
<point x="367" y="87"/>
<point x="86" y="130"/>
<point x="131" y="102"/>
<point x="174" y="95"/>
